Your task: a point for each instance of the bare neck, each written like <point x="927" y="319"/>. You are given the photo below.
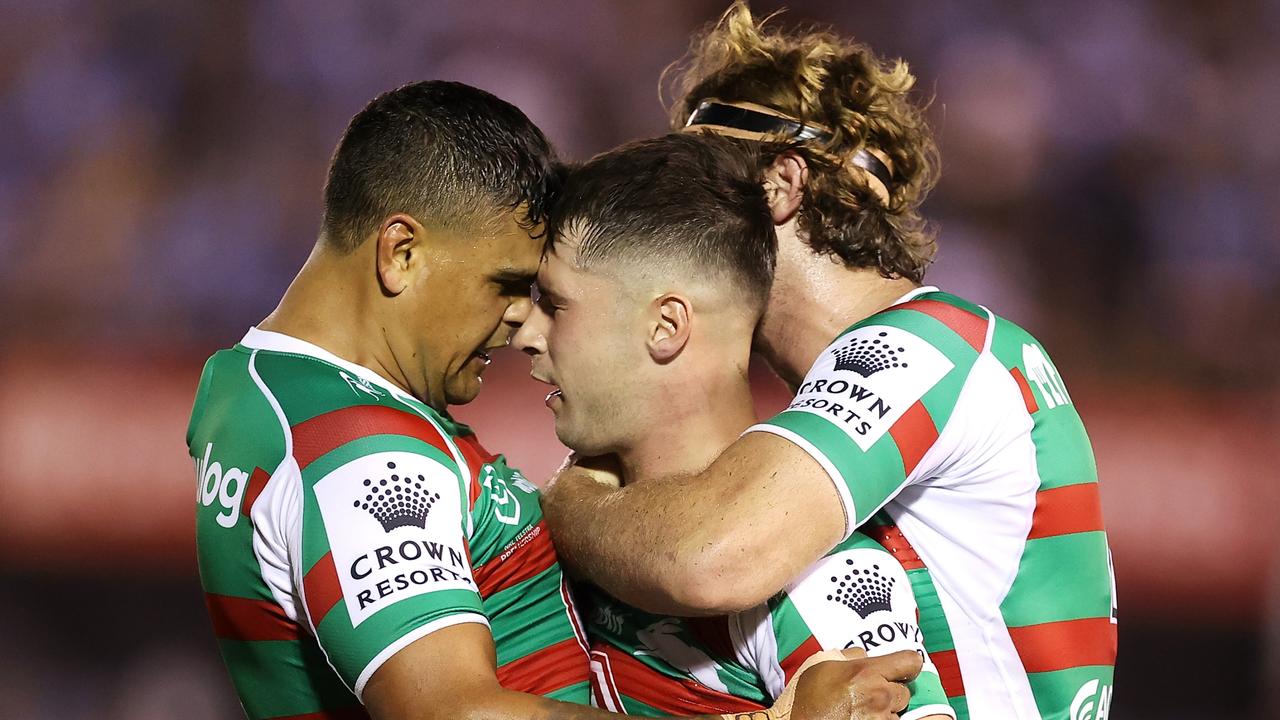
<point x="692" y="422"/>
<point x="329" y="305"/>
<point x="814" y="306"/>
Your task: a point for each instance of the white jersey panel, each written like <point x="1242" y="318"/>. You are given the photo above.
<point x="970" y="529"/>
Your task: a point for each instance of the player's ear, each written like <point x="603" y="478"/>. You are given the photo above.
<point x="671" y="328"/>
<point x="399" y="247"/>
<point x="784" y="183"/>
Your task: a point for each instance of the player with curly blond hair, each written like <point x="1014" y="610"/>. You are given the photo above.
<point x="912" y="407"/>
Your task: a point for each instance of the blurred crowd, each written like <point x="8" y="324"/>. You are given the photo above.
<point x="1110" y="167"/>
<point x="1111" y="179"/>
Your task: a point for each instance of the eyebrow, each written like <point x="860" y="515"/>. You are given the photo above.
<point x="513" y="275"/>
<point x="550" y="294"/>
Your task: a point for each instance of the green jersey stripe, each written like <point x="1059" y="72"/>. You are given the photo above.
<point x="1087" y="690"/>
<point x="1065" y="577"/>
<point x="281" y="678"/>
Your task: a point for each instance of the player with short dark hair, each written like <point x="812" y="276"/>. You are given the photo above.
<point x="951" y="419"/>
<point x="660" y="266"/>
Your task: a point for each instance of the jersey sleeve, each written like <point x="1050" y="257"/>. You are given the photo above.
<point x="867" y="411"/>
<point x="383" y="549"/>
<point x="857" y="597"/>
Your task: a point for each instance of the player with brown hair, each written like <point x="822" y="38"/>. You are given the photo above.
<point x="950" y="419"/>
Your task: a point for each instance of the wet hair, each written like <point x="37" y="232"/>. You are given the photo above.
<point x="820" y="78"/>
<point x="687" y="202"/>
<point x="449" y="154"/>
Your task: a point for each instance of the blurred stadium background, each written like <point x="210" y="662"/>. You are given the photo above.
<point x="1112" y="181"/>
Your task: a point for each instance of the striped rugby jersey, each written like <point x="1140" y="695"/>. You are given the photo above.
<point x="957" y="424"/>
<point x="339" y="519"/>
<point x="858" y="596"/>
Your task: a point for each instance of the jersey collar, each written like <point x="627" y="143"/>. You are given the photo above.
<point x="917" y="292"/>
<point x="270" y="341"/>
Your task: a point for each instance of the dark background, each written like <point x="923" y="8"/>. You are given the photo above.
<point x="1111" y="181"/>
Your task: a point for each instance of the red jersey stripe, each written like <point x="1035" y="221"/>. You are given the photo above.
<point x="329" y="431"/>
<point x="1028" y="398"/>
<point x="1067" y="644"/>
<point x="531" y="555"/>
<point x="1066" y="510"/>
<point x="548" y="669"/>
<point x="973" y="328"/>
<point x="948" y="665"/>
<point x="678" y="697"/>
<point x="236" y="618"/>
<point x="896" y="543"/>
<point x="792" y="662"/>
<point x="257" y="483"/>
<point x="322" y="589"/>
<point x="914" y="434"/>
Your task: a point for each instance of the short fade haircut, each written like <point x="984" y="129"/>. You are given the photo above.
<point x="694" y="201"/>
<point x="446" y="153"/>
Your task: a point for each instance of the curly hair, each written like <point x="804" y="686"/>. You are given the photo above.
<point x="820" y="78"/>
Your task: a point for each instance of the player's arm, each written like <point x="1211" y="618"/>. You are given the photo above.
<point x="720" y="542"/>
<point x="449" y="675"/>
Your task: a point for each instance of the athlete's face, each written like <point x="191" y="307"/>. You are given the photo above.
<point x="583" y="337"/>
<point x="475" y="292"/>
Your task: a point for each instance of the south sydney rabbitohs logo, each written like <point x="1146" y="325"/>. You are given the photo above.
<point x="868" y="356"/>
<point x="397" y="501"/>
<point x="863" y="591"/>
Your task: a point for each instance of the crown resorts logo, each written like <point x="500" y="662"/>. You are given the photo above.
<point x="864" y="591"/>
<point x="398" y="501"/>
<point x="868" y="356"/>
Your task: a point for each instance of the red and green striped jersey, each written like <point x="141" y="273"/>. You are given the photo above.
<point x="858" y="596"/>
<point x="338" y="520"/>
<point x="955" y="422"/>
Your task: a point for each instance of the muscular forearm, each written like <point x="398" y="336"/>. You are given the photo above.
<point x="639" y="543"/>
<point x="720" y="542"/>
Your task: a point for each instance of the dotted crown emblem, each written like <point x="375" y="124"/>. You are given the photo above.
<point x="867" y="356"/>
<point x="398" y="501"/>
<point x="863" y="591"/>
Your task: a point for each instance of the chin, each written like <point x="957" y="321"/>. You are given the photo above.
<point x="580" y="442"/>
<point x="462" y="393"/>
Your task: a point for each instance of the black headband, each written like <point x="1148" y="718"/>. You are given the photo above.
<point x="710" y="112"/>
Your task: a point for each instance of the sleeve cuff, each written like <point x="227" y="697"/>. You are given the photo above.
<point x="842" y="488"/>
<point x="404" y="640"/>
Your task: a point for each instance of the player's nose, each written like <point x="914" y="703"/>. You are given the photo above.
<point x="531" y="337"/>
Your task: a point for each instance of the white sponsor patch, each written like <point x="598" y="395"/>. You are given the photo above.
<point x="394" y="521"/>
<point x="867" y="379"/>
<point x="859" y="598"/>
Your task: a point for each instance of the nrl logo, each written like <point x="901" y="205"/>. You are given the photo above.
<point x="867" y="356"/>
<point x="863" y="591"/>
<point x="397" y="501"/>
